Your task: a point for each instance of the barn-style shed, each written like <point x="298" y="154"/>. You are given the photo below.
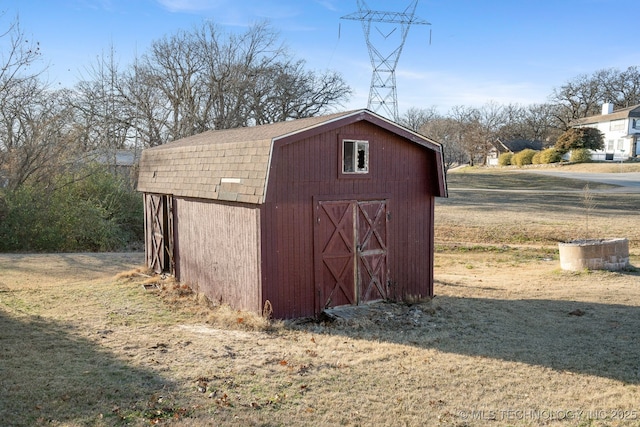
<point x="300" y="215"/>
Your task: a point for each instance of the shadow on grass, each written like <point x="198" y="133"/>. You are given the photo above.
<point x="585" y="338"/>
<point x="48" y="375"/>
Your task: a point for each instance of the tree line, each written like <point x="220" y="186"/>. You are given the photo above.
<point x="467" y="133"/>
<point x="54" y="197"/>
<point x="188" y="82"/>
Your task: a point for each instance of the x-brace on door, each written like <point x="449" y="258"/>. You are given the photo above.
<point x="351" y="252"/>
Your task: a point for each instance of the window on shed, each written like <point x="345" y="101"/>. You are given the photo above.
<point x="355" y="156"/>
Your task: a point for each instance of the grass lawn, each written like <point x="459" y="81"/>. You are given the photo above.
<point x="509" y="339"/>
<point x="505" y="206"/>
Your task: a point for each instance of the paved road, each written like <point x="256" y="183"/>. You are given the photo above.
<point x="629" y="181"/>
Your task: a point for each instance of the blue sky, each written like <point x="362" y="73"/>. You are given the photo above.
<point x="504" y="51"/>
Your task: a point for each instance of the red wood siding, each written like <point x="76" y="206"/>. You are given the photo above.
<point x="400" y="171"/>
<point x="217" y="251"/>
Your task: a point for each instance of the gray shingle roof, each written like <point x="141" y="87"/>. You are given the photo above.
<point x="229" y="165"/>
<point x="516" y="145"/>
<point x="623" y="113"/>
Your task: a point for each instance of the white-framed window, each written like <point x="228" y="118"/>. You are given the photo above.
<point x="610" y="145"/>
<point x="616" y="125"/>
<point x="620" y="144"/>
<point x="355" y="156"/>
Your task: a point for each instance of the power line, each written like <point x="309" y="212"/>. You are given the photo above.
<point x="383" y="96"/>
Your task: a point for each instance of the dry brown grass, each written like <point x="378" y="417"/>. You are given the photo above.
<point x="498" y="206"/>
<point x="181" y="297"/>
<point x="509" y="339"/>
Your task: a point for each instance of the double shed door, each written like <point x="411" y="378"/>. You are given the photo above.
<point x="159" y="232"/>
<point x="350" y="245"/>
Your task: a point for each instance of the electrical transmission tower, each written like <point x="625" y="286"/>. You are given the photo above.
<point x="384" y="56"/>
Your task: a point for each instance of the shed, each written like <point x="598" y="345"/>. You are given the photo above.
<point x="299" y="216"/>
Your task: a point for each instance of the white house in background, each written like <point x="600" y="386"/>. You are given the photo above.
<point x="621" y="130"/>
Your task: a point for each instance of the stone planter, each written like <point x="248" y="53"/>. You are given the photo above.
<point x="594" y="254"/>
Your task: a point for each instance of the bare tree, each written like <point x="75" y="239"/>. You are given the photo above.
<point x="32" y="121"/>
<point x="34" y="130"/>
<point x="101" y="118"/>
<point x="513" y="124"/>
<point x="174" y="67"/>
<point x="447" y="132"/>
<point x="474" y="137"/>
<point x="16" y="60"/>
<point x="235" y="65"/>
<point x="416" y="118"/>
<point x="206" y="79"/>
<point x="197" y="80"/>
<point x="621" y="87"/>
<point x="533" y="122"/>
<point x="581" y="97"/>
<point x="539" y="123"/>
<point x="286" y="91"/>
<point x="584" y="95"/>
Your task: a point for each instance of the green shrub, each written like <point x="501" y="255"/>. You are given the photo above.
<point x="505" y="159"/>
<point x="24" y="218"/>
<point x="524" y="157"/>
<point x="550" y="155"/>
<point x="90" y="210"/>
<point x="580" y="155"/>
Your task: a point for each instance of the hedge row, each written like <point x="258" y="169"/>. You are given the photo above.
<point x="533" y="157"/>
<point x="89" y="210"/>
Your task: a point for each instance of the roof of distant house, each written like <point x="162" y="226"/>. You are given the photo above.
<point x="623" y="113"/>
<point x="516" y="145"/>
<point x="115" y="157"/>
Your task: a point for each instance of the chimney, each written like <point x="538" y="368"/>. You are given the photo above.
<point x="607" y="108"/>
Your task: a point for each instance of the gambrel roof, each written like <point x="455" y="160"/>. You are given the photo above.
<point x="233" y="165"/>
